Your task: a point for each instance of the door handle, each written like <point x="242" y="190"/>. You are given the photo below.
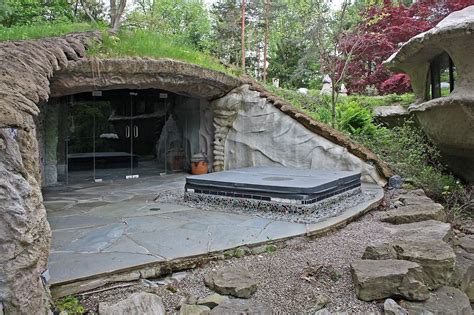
<point x="127" y="131"/>
<point x="135" y="131"/>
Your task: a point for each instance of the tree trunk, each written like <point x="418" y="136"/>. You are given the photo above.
<point x="265" y="48"/>
<point x="242" y="35"/>
<point x="333" y="103"/>
<point x="116" y="13"/>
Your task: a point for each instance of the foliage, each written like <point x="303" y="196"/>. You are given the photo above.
<point x="384" y="28"/>
<point x="409" y="153"/>
<point x="43" y="30"/>
<point x="27" y="12"/>
<point x="142" y="43"/>
<point x="71" y="305"/>
<point x="396" y="84"/>
<point x="355" y="119"/>
<point x="187" y="20"/>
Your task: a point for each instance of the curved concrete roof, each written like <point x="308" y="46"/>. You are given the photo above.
<point x="427" y="45"/>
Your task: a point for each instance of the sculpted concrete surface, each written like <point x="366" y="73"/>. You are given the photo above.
<point x="253" y="132"/>
<point x="449" y="120"/>
<point x="98" y="230"/>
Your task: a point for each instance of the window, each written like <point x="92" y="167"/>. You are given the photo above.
<point x="442" y="76"/>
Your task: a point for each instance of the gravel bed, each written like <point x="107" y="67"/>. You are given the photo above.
<point x="289" y="279"/>
<point x="329" y="207"/>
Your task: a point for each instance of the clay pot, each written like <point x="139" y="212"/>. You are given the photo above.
<point x="199" y="168"/>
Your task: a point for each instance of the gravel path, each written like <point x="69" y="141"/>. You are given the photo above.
<point x="289" y="279"/>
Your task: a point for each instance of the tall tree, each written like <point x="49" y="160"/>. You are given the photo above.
<point x="242" y="35"/>
<point x="328" y="29"/>
<point x="265" y="47"/>
<point x="117" y="8"/>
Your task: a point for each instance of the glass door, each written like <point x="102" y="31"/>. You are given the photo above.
<point x="113" y="136"/>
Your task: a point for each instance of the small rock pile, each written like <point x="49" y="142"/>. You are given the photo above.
<point x="424" y="265"/>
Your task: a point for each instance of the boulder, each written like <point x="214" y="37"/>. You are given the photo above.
<point x="415" y="213"/>
<point x="379" y="252"/>
<point x="233" y="281"/>
<point x="463" y="276"/>
<point x="421" y="231"/>
<point x="445" y="300"/>
<point x="241" y="307"/>
<point x="413" y="200"/>
<point x="467" y="243"/>
<point x="390" y="116"/>
<point x="140" y="303"/>
<point x="390" y="307"/>
<point x="212" y="300"/>
<point x="380" y="279"/>
<point x="436" y="257"/>
<point x="191" y="309"/>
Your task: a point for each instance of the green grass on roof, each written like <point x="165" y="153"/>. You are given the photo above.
<point x="140" y="43"/>
<point x="137" y="43"/>
<point x="43" y="30"/>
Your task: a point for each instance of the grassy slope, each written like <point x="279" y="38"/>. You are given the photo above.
<point x="137" y="43"/>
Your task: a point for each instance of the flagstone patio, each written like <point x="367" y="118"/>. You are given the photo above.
<point x="104" y="228"/>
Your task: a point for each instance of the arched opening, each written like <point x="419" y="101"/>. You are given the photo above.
<point x="442" y="76"/>
<point x="116" y="134"/>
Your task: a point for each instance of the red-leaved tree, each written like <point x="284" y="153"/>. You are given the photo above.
<point x="384" y="29"/>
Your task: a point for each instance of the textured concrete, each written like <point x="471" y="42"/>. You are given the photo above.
<point x="103" y="229"/>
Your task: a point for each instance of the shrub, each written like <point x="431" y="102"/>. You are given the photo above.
<point x="71" y="305"/>
<point x="396" y="84"/>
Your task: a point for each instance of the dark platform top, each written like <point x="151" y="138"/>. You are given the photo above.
<point x="275" y="180"/>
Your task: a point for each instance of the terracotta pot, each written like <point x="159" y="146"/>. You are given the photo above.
<point x="199" y="168"/>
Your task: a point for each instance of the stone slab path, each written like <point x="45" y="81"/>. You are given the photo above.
<point x="103" y="228"/>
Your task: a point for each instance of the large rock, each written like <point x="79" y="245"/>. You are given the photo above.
<point x="390" y="307"/>
<point x="231" y="281"/>
<point x="241" y="307"/>
<point x="380" y="279"/>
<point x="188" y="309"/>
<point x="467" y="243"/>
<point x="421" y="231"/>
<point x="415" y="213"/>
<point x="436" y="257"/>
<point x="463" y="276"/>
<point x="141" y="303"/>
<point x="24" y="231"/>
<point x="390" y="116"/>
<point x="445" y="300"/>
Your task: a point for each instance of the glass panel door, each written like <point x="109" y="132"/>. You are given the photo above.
<point x="79" y="141"/>
<point x="113" y="134"/>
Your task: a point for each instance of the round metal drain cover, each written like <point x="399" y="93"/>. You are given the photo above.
<point x="277" y="179"/>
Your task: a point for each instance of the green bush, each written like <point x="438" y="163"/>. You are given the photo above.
<point x="409" y="153"/>
<point x="71" y="305"/>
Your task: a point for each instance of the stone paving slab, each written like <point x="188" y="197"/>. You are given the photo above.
<point x="117" y="234"/>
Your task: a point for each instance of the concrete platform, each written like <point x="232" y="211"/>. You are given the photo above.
<point x="108" y="228"/>
<point x="275" y="183"/>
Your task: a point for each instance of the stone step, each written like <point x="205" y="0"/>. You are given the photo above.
<point x="421" y="231"/>
<point x="436" y="257"/>
<point x="415" y="213"/>
<point x="463" y="276"/>
<point x="445" y="300"/>
<point x="380" y="279"/>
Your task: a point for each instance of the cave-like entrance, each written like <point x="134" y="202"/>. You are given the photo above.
<point x="121" y="134"/>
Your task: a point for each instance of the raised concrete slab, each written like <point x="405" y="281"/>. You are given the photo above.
<point x="95" y="235"/>
<point x="275" y="182"/>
